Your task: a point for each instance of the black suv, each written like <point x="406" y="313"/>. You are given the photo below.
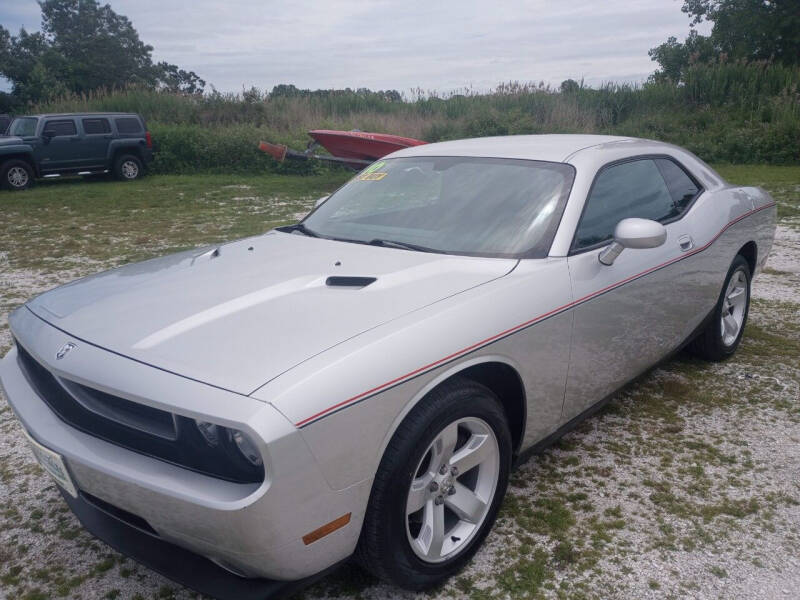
<point x="73" y="144"/>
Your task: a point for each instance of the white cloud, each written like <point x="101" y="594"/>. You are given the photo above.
<point x="382" y="44"/>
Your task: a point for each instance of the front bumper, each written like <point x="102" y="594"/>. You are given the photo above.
<point x="252" y="529"/>
<point x="180" y="565"/>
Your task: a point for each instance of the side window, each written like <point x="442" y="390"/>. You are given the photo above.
<point x="631" y="189"/>
<point x="128" y="125"/>
<point x="60" y="128"/>
<point x="96" y="126"/>
<point x="681" y="187"/>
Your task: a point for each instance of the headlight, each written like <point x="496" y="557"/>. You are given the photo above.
<point x="247" y="447"/>
<point x="232" y="445"/>
<point x="210" y="432"/>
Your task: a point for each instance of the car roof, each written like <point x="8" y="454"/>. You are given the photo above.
<point x="84" y="114"/>
<point x="549" y="147"/>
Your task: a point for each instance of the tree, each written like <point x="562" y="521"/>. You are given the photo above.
<point x="742" y="29"/>
<point x="570" y="86"/>
<point x="171" y="78"/>
<point x="674" y="56"/>
<point x="83" y="46"/>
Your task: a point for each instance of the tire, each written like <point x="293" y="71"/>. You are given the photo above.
<point x="16" y="175"/>
<point x="721" y="336"/>
<point x="393" y="538"/>
<point x="128" y="167"/>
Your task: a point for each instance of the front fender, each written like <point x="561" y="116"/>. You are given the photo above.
<point x="349" y="400"/>
<point x="17" y="150"/>
<point x="439" y="377"/>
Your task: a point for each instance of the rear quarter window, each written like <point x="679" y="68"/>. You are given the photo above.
<point x="126" y="125"/>
<point x="95" y="126"/>
<point x="682" y="188"/>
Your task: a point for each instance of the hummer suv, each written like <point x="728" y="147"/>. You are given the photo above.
<point x="43" y="146"/>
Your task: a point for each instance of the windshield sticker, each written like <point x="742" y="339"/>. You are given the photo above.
<point x="373" y="167"/>
<point x="372" y="176"/>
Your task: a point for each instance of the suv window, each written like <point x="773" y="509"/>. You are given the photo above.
<point x="128" y="125"/>
<point x="95" y="126"/>
<point x="682" y="188"/>
<point x="630" y="189"/>
<point x="60" y="128"/>
<point x="23" y="127"/>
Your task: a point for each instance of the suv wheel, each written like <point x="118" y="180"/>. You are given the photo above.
<point x="16" y="175"/>
<point x="438" y="488"/>
<point x="128" y="167"/>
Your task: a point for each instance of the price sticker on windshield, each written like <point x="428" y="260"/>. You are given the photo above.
<point x="372" y="176"/>
<point x="371" y="172"/>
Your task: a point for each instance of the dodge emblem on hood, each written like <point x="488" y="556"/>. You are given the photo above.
<point x="64" y="350"/>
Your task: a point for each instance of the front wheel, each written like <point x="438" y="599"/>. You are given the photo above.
<point x="128" y="168"/>
<point x="723" y="333"/>
<point x="438" y="488"/>
<point x="16" y="175"/>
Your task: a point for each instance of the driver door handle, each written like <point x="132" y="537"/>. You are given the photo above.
<point x="686" y="243"/>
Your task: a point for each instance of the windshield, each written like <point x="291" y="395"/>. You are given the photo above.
<point x="23" y="127"/>
<point x="455" y="205"/>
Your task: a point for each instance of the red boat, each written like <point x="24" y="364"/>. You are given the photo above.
<point x="352" y="148"/>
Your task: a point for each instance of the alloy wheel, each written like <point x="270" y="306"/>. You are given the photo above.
<point x="17" y="177"/>
<point x="734" y="307"/>
<point x="452" y="489"/>
<point x="130" y="170"/>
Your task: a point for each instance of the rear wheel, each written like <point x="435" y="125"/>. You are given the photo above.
<point x="16" y="175"/>
<point x="438" y="487"/>
<point x="128" y="167"/>
<point x="723" y="333"/>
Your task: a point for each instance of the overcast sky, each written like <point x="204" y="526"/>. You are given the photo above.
<point x="402" y="44"/>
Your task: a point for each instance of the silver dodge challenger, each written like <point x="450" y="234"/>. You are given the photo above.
<point x="243" y="418"/>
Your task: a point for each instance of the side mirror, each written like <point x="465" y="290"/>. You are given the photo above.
<point x="48" y="135"/>
<point x="633" y="233"/>
<point x="321" y="200"/>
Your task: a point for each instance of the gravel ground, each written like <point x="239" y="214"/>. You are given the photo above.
<point x="687" y="485"/>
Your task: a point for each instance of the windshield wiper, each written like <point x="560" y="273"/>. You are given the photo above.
<point x="403" y="245"/>
<point x="300" y="228"/>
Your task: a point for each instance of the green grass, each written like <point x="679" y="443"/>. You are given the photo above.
<point x="782" y="182"/>
<point x="67" y="223"/>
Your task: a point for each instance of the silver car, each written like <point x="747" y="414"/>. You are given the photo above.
<point x="248" y="416"/>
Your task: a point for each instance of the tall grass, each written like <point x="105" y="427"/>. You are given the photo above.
<point x="725" y="112"/>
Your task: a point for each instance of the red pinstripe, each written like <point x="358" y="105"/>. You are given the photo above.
<point x="525" y="324"/>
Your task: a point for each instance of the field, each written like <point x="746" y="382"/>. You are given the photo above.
<point x="687" y="484"/>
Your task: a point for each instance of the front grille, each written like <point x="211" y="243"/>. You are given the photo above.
<point x="150" y="431"/>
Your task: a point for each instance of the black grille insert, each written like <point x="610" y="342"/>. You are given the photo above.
<point x="121" y="514"/>
<point x="138" y="416"/>
<point x="150" y="431"/>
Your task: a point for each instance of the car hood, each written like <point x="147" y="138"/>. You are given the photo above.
<point x="6" y="140"/>
<point x="238" y="315"/>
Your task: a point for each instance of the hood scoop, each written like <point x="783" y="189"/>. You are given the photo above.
<point x="207" y="255"/>
<point x="350" y="282"/>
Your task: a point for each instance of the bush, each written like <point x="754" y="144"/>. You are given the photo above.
<point x="725" y="112"/>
